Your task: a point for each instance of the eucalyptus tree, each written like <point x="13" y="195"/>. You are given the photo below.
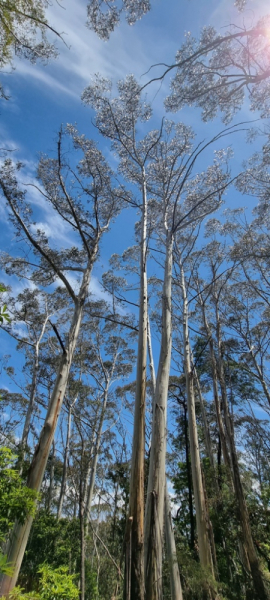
<point x="103" y="17"/>
<point x="214" y="71"/>
<point x="202" y="517"/>
<point x="70" y="403"/>
<point x="24" y="29"/>
<point x="248" y="316"/>
<point x="179" y="201"/>
<point x="215" y="258"/>
<point x="31" y="326"/>
<point x="175" y="582"/>
<point x="85" y="200"/>
<point x="103" y="357"/>
<point x="118" y="119"/>
<point x="108" y="358"/>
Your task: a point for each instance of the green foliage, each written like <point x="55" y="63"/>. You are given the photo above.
<point x="16" y="500"/>
<point x="54" y="542"/>
<point x="4" y="566"/>
<point x="56" y="584"/>
<point x="4" y="316"/>
<point x="18" y="594"/>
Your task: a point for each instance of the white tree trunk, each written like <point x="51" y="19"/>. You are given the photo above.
<point x="175" y="582"/>
<point x="93" y="471"/>
<point x="207" y="438"/>
<point x="151" y="362"/>
<point x="33" y="390"/>
<point x="224" y="446"/>
<point x="65" y="465"/>
<point x="154" y="515"/>
<point x="199" y="497"/>
<point x="134" y="566"/>
<point x="20" y="534"/>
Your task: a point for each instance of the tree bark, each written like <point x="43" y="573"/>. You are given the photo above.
<point x="207" y="438"/>
<point x="33" y="390"/>
<point x="91" y="486"/>
<point x="65" y="464"/>
<point x="51" y="486"/>
<point x="175" y="582"/>
<point x="154" y="515"/>
<point x="134" y="565"/>
<point x="202" y="519"/>
<point x="189" y="481"/>
<point x="222" y="435"/>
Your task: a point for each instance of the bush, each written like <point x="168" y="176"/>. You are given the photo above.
<point x="54" y="584"/>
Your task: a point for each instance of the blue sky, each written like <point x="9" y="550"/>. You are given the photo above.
<point x="44" y="97"/>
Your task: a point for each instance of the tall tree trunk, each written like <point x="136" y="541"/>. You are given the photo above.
<point x="175" y="582"/>
<point x="51" y="486"/>
<point x="33" y="390"/>
<point x="189" y="481"/>
<point x="134" y="566"/>
<point x="90" y="490"/>
<point x="202" y="519"/>
<point x="222" y="435"/>
<point x="84" y="477"/>
<point x="151" y="363"/>
<point x="154" y="515"/>
<point x="20" y="534"/>
<point x="65" y="464"/>
<point x="207" y="438"/>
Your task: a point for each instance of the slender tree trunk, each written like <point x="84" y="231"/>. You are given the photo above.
<point x="134" y="566"/>
<point x="202" y="518"/>
<point x="83" y="484"/>
<point x="33" y="390"/>
<point x="51" y="486"/>
<point x="189" y="481"/>
<point x="175" y="582"/>
<point x="154" y="516"/>
<point x="207" y="438"/>
<point x="91" y="486"/>
<point x="20" y="534"/>
<point x="151" y="363"/>
<point x="65" y="464"/>
<point x="222" y="435"/>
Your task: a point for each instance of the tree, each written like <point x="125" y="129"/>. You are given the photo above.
<point x="103" y="17"/>
<point x="181" y="202"/>
<point x="93" y="180"/>
<point x="4" y="316"/>
<point x="118" y="119"/>
<point x="214" y="71"/>
<point x="24" y="28"/>
<point x="214" y="256"/>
